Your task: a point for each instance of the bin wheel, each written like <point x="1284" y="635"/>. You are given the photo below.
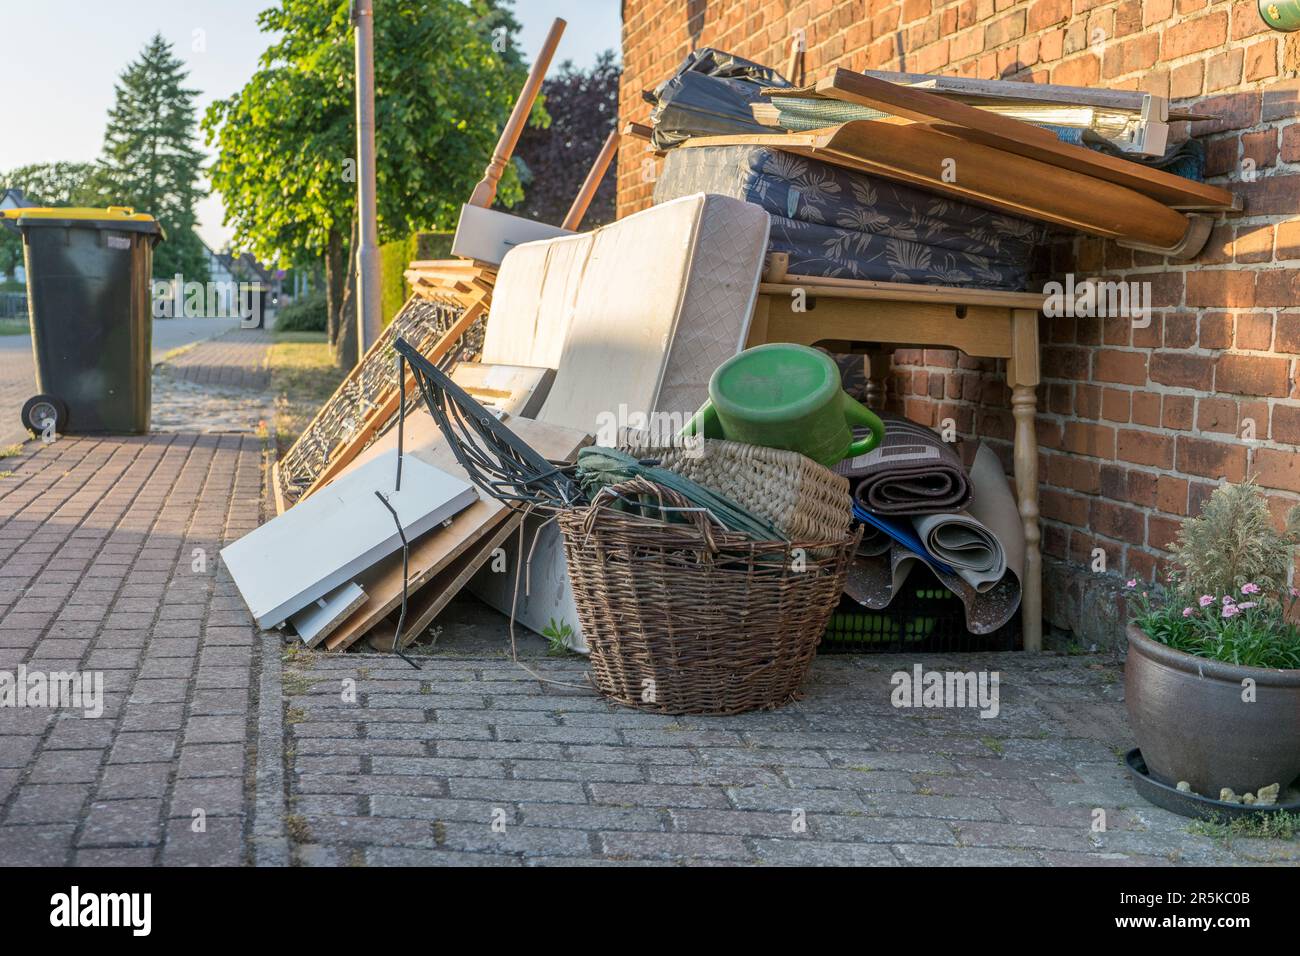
<point x="38" y="411"/>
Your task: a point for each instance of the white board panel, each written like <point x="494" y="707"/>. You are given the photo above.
<point x="327" y="539"/>
<point x="318" y="619"/>
<point x="486" y="235"/>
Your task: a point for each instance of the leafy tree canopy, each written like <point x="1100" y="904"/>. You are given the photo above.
<point x="150" y="159"/>
<point x="57" y="184"/>
<point x="48" y="184"/>
<point x="446" y="75"/>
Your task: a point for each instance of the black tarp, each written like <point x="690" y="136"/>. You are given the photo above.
<point x="709" y="94"/>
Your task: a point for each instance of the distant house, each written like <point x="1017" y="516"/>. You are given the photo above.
<point x="14" y="199"/>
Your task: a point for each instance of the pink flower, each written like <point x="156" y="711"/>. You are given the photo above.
<point x="1228" y="599"/>
<point x="1246" y="605"/>
<point x="1231" y="610"/>
<point x="1250" y="589"/>
<point x="1206" y="600"/>
<point x="1131" y="583"/>
<point x="1188" y="611"/>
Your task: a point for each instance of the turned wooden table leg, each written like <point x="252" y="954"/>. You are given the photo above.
<point x="878" y="362"/>
<point x="1022" y="373"/>
<point x="1024" y="404"/>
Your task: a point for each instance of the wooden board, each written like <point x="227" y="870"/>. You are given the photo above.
<point x="1009" y="182"/>
<point x="1132" y="101"/>
<point x="1021" y="139"/>
<point x="426" y="604"/>
<point x="488" y="234"/>
<point x="514" y="390"/>
<point x="324" y="542"/>
<point x="545" y="594"/>
<point x="432" y="553"/>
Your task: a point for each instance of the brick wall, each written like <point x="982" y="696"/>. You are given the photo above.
<point x="1136" y="425"/>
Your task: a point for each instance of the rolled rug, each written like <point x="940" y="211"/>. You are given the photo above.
<point x="874" y="578"/>
<point x="973" y="551"/>
<point x="913" y="471"/>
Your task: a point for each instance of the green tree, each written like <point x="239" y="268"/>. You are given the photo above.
<point x="48" y="184"/>
<point x="446" y="75"/>
<point x="151" y="160"/>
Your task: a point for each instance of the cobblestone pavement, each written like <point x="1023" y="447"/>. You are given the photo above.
<point x="236" y="359"/>
<point x="474" y="761"/>
<point x="108" y="565"/>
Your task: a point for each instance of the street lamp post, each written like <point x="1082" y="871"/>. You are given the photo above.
<point x="369" y="321"/>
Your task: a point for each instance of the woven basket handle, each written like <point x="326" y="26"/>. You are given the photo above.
<point x="666" y="500"/>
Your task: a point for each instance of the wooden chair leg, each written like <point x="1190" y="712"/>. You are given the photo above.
<point x="1024" y="405"/>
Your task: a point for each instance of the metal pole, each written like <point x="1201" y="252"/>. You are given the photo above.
<point x="369" y="322"/>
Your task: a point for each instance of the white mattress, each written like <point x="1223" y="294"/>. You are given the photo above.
<point x="636" y="315"/>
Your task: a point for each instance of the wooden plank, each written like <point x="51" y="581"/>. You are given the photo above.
<point x="276" y="490"/>
<point x="427" y="603"/>
<point x="432" y="553"/>
<point x="595" y="175"/>
<point x="1009" y="182"/>
<point x="901" y="292"/>
<point x="1022" y="139"/>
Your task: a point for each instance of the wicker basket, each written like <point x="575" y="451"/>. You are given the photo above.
<point x="682" y="618"/>
<point x="803" y="499"/>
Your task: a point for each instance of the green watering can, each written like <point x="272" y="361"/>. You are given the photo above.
<point x="787" y="396"/>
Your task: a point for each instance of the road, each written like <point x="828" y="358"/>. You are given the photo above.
<point x="18" y="376"/>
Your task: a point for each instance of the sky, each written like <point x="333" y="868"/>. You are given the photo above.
<point x="55" y="105"/>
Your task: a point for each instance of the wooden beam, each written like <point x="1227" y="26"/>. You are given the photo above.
<point x="592" y="183"/>
<point x="898" y="291"/>
<point x="1013" y="136"/>
<point x="486" y="191"/>
<point x="922" y="156"/>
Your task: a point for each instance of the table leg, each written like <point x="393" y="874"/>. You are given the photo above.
<point x="1024" y="404"/>
<point x="878" y="363"/>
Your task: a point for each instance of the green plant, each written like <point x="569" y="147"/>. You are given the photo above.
<point x="1278" y="825"/>
<point x="308" y="314"/>
<point x="1233" y="542"/>
<point x="557" y="634"/>
<point x="1252" y="632"/>
<point x="1230" y="600"/>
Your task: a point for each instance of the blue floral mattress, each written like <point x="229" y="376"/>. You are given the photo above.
<point x="836" y="222"/>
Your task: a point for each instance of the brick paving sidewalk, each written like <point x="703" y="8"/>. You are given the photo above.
<point x="473" y="761"/>
<point x="236" y="359"/>
<point x="99" y="541"/>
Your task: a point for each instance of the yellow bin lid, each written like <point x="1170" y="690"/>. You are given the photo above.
<point x="114" y="217"/>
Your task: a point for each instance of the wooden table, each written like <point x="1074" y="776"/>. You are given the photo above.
<point x="883" y="316"/>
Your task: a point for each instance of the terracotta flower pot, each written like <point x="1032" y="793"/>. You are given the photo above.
<point x="1192" y="724"/>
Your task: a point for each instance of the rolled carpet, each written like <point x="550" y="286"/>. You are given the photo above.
<point x="912" y="472"/>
